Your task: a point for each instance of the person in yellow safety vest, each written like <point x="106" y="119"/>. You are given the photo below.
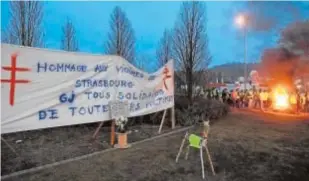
<point x="260" y="94"/>
<point x="238" y="98"/>
<point x="270" y="97"/>
<point x="303" y="102"/>
<point x="250" y="94"/>
<point x="256" y="98"/>
<point x="234" y="97"/>
<point x="263" y="99"/>
<point x="307" y="102"/>
<point x="266" y="98"/>
<point x="293" y="101"/>
<point x="250" y="98"/>
<point x="214" y="93"/>
<point x="220" y="95"/>
<point x="298" y="101"/>
<point x="241" y="98"/>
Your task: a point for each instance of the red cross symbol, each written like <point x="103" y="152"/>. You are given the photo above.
<point x="13" y="69"/>
<point x="166" y="76"/>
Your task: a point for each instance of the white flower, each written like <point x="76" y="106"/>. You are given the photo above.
<point x="121" y="121"/>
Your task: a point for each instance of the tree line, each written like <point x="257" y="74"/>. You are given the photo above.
<point x="186" y="43"/>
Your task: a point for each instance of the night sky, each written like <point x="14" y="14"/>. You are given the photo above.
<point x="149" y="19"/>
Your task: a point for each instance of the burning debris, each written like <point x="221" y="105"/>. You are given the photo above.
<point x="281" y="98"/>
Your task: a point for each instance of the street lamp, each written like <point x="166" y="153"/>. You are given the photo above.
<point x="241" y="21"/>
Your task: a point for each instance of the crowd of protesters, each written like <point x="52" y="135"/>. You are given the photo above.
<point x="257" y="98"/>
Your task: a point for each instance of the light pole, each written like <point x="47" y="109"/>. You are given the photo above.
<point x="241" y="20"/>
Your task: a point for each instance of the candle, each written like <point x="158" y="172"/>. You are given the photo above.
<point x="206" y="128"/>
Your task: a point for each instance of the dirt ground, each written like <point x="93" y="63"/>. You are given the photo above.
<point x="244" y="146"/>
<point x="40" y="147"/>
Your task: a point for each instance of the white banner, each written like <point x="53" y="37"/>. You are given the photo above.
<point x="42" y="88"/>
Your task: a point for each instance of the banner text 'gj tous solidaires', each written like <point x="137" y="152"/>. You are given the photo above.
<point x="42" y="88"/>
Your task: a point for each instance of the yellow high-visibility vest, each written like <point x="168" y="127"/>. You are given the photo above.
<point x="261" y="96"/>
<point x="303" y="99"/>
<point x="293" y="99"/>
<point x="266" y="96"/>
<point x="234" y="95"/>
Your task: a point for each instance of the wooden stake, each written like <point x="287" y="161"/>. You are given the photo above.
<point x="113" y="132"/>
<point x="94" y="136"/>
<point x="181" y="147"/>
<point x="141" y="119"/>
<point x="173" y="117"/>
<point x="152" y="118"/>
<point x="162" y="121"/>
<point x="10" y="147"/>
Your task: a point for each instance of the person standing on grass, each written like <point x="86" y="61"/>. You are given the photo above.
<point x="237" y="98"/>
<point x="224" y="96"/>
<point x="293" y="101"/>
<point x="258" y="99"/>
<point x="250" y="98"/>
<point x="211" y="93"/>
<point x="217" y="94"/>
<point x="266" y="94"/>
<point x="229" y="97"/>
<point x="246" y="100"/>
<point x="208" y="93"/>
<point x="307" y="101"/>
<point x="253" y="98"/>
<point x="241" y="99"/>
<point x="234" y="98"/>
<point x="303" y="102"/>
<point x="263" y="97"/>
<point x="269" y="98"/>
<point x="298" y="101"/>
<point x="261" y="94"/>
<point x="214" y="93"/>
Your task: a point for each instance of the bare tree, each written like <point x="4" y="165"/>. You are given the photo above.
<point x="121" y="39"/>
<point x="69" y="41"/>
<point x="164" y="50"/>
<point x="6" y="36"/>
<point x="25" y="25"/>
<point x="190" y="42"/>
<point x="140" y="60"/>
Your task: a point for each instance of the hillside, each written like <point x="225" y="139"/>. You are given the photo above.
<point x="232" y="71"/>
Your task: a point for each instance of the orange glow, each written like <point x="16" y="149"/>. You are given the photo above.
<point x="281" y="98"/>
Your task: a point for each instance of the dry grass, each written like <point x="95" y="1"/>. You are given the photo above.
<point x="40" y="147"/>
<point x="243" y="147"/>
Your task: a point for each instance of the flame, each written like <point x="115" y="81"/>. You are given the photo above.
<point x="281" y="98"/>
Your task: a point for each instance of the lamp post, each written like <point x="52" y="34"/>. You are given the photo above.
<point x="241" y="21"/>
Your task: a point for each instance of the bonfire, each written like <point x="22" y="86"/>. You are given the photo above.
<point x="281" y="98"/>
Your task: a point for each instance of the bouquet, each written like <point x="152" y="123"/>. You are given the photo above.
<point x="121" y="124"/>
